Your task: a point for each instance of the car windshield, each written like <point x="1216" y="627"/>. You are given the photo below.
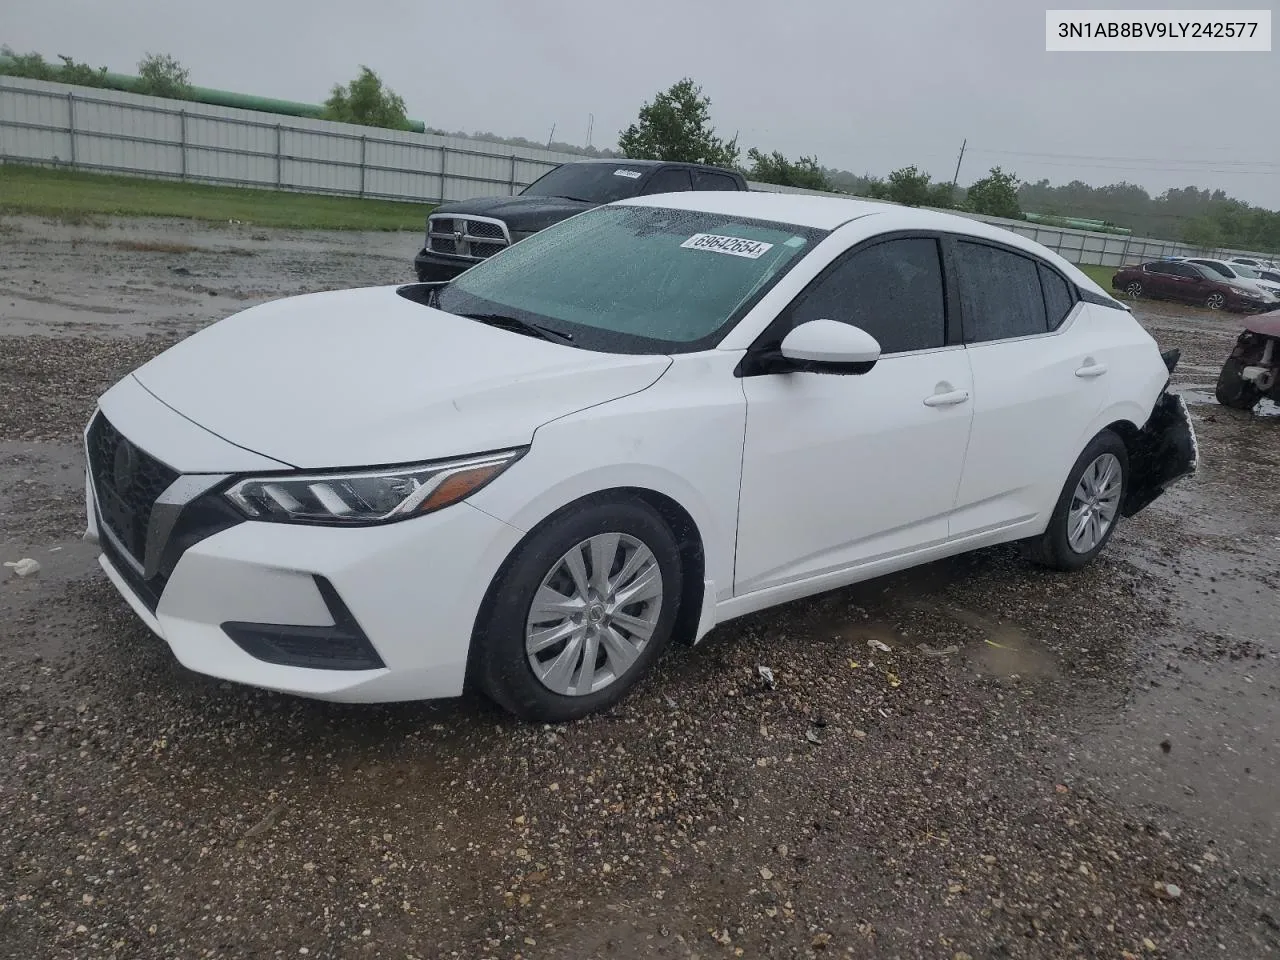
<point x="593" y="182"/>
<point x="633" y="279"/>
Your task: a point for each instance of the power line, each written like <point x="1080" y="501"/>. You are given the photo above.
<point x="1081" y="156"/>
<point x="1155" y="169"/>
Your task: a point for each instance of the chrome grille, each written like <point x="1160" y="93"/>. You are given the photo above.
<point x="469" y="237"/>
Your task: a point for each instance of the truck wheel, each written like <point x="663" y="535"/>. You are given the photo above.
<point x="1234" y="390"/>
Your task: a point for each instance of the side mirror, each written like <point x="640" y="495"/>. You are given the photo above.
<point x="825" y="346"/>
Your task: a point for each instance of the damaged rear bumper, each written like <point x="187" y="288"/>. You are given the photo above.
<point x="1164" y="452"/>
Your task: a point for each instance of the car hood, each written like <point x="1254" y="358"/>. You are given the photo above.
<point x="524" y="214"/>
<point x="367" y="377"/>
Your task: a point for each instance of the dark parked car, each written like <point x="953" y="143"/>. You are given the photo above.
<point x="1189" y="283"/>
<point x="464" y="232"/>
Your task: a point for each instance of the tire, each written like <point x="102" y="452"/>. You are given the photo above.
<point x="1215" y="301"/>
<point x="1233" y="390"/>
<point x="1133" y="288"/>
<point x="502" y="665"/>
<point x="1055" y="548"/>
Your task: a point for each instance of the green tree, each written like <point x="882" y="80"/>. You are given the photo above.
<point x="875" y="189"/>
<point x="33" y="66"/>
<point x="163" y="76"/>
<point x="676" y="125"/>
<point x="996" y="195"/>
<point x="1202" y="233"/>
<point x="941" y="195"/>
<point x="775" y="168"/>
<point x="72" y="71"/>
<point x="909" y="187"/>
<point x="367" y="102"/>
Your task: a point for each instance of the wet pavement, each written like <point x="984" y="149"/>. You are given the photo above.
<point x="1023" y="772"/>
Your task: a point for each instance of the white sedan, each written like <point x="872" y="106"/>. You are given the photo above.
<point x="642" y="422"/>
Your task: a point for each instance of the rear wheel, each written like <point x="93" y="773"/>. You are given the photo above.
<point x="1088" y="508"/>
<point x="1234" y="390"/>
<point x="1133" y="288"/>
<point x="1215" y="301"/>
<point x="581" y="612"/>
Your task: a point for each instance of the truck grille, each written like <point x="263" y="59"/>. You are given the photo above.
<point x="469" y="237"/>
<point x="127" y="481"/>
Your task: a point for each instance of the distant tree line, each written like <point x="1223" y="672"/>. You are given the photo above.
<point x="676" y="125"/>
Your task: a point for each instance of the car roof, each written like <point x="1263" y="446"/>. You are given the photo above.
<point x="624" y="162"/>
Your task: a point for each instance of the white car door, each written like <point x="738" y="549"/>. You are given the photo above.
<point x="1039" y="380"/>
<point x="840" y="470"/>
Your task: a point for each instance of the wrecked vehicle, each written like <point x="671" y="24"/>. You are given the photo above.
<point x="1252" y="371"/>
<point x="634" y="425"/>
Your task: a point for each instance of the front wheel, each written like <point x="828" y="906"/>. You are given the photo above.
<point x="1088" y="508"/>
<point x="1215" y="301"/>
<point x="581" y="612"/>
<point x="1234" y="390"/>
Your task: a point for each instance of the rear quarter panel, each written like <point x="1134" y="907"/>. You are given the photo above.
<point x="1136" y="376"/>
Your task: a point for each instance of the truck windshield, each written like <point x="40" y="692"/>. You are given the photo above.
<point x="592" y="182"/>
<point x="633" y="279"/>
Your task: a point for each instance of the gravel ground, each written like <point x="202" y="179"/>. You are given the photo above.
<point x="1040" y="765"/>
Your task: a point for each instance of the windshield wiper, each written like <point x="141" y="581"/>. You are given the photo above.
<point x="517" y="325"/>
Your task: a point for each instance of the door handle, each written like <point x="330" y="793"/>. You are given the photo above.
<point x="1090" y="370"/>
<point x="949" y="399"/>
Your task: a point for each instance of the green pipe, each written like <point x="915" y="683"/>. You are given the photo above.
<point x="224" y="98"/>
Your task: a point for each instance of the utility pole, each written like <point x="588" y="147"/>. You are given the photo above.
<point x="551" y="136"/>
<point x="591" y="123"/>
<point x="958" y="159"/>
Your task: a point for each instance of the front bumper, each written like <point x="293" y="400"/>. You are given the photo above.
<point x="367" y="614"/>
<point x="433" y="267"/>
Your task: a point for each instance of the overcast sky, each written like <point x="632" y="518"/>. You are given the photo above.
<point x="866" y="86"/>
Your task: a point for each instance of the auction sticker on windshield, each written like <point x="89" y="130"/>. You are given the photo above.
<point x="734" y="246"/>
<point x="629" y="174"/>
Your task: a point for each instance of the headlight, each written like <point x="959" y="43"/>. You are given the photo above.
<point x="1242" y="292"/>
<point x="361" y="498"/>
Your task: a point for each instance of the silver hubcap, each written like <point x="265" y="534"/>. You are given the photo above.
<point x="593" y="614"/>
<point x="1216" y="301"/>
<point x="1134" y="289"/>
<point x="1094" y="504"/>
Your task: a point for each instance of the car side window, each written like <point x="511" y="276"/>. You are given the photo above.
<point x="1218" y="269"/>
<point x="1000" y="292"/>
<point x="1184" y="270"/>
<point x="668" y="181"/>
<point x="1058" y="298"/>
<point x="893" y="290"/>
<point x="706" y="180"/>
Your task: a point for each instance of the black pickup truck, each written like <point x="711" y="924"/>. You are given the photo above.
<point x="464" y="232"/>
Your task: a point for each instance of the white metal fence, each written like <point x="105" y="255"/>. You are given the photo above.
<point x="111" y="131"/>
